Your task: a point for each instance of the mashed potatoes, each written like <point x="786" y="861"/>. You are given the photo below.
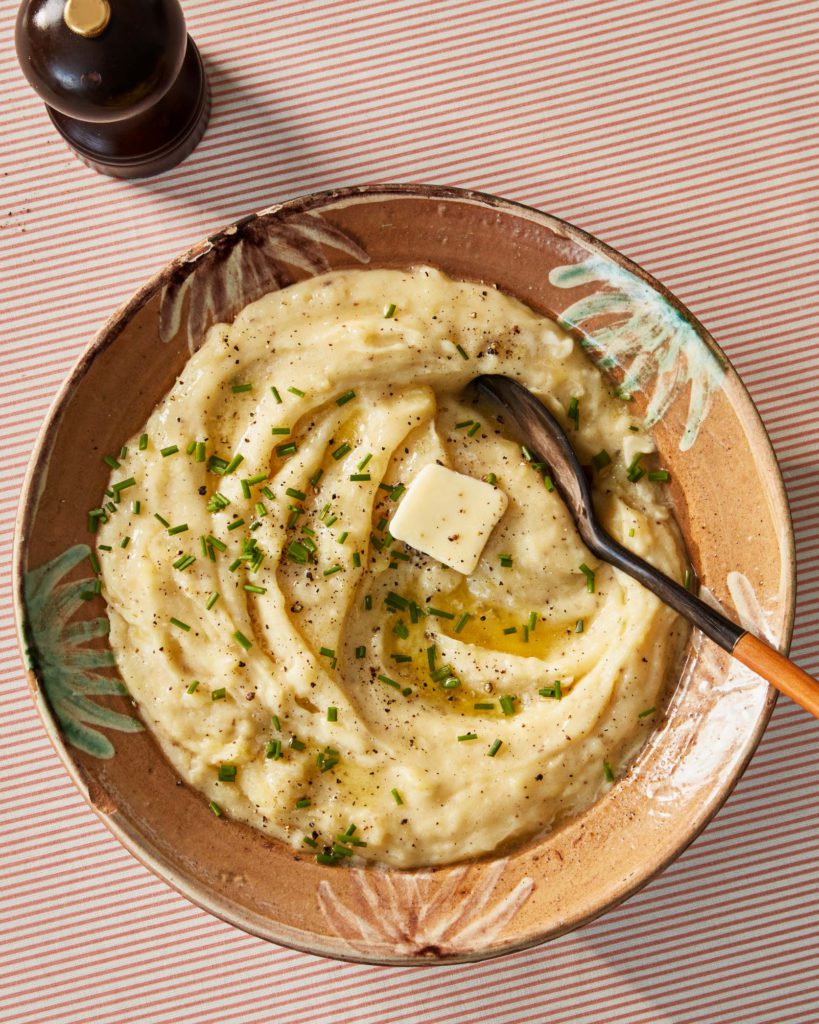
<point x="306" y="672"/>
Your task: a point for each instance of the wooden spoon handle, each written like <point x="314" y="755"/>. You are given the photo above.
<point x="779" y="671"/>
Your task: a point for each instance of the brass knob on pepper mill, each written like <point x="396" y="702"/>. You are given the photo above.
<point x="122" y="80"/>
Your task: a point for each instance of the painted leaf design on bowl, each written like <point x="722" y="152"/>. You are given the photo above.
<point x="241" y="264"/>
<point x="425" y="913"/>
<point x="69" y="671"/>
<point x="629" y="327"/>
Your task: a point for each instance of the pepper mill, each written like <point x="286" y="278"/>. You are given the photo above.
<point x="122" y="81"/>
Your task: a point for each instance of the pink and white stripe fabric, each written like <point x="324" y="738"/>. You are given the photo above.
<point x="683" y="132"/>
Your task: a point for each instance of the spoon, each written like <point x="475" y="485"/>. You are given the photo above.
<point x="546" y="439"/>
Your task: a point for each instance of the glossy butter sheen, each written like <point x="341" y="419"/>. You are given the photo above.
<point x="315" y="643"/>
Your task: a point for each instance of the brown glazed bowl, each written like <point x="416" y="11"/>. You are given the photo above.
<point x="729" y="500"/>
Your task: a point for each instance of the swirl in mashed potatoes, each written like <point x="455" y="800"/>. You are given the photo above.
<point x="305" y="671"/>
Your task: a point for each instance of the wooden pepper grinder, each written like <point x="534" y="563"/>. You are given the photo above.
<point x="122" y="80"/>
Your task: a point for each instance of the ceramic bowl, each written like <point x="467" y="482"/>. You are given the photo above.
<point x="729" y="501"/>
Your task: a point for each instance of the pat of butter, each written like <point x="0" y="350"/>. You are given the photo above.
<point x="449" y="516"/>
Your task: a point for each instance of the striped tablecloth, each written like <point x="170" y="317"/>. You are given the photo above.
<point x="683" y="132"/>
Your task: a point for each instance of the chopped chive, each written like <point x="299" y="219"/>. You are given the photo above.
<point x="314" y="479"/>
<point x="234" y="565"/>
<point x="192" y="687"/>
<point x="276" y="395"/>
<point x="330" y="520"/>
<point x="251" y="588"/>
<point x="554" y="692"/>
<point x="396" y="796"/>
<point x="212" y="600"/>
<point x="441" y="614"/>
<point x="273" y="751"/>
<point x="396" y="601"/>
<point x="401" y="659"/>
<point x="509" y="630"/>
<point x="397" y="491"/>
<point x="105" y="547"/>
<point x="573" y="412"/>
<point x="490" y="478"/>
<point x="578" y="626"/>
<point x="400" y="629"/>
<point x="217" y="810"/>
<point x="389" y="682"/>
<point x="199" y="451"/>
<point x="389" y="311"/>
<point x="297" y="392"/>
<point x="296" y="744"/>
<point x="294" y="492"/>
<point x="136" y="507"/>
<point x="494" y="748"/>
<point x="310" y="842"/>
<point x="635" y="471"/>
<point x="527" y="453"/>
<point x="111" y="461"/>
<point x="631" y="532"/>
<point x="125" y="542"/>
<point x="217" y="502"/>
<point x="332" y="570"/>
<point x="227" y="772"/>
<point x="123" y="452"/>
<point x="661" y="476"/>
<point x="219" y="694"/>
<point x="268" y="493"/>
<point x="532" y="623"/>
<point x="364" y="461"/>
<point x="327" y="652"/>
<point x="143" y="442"/>
<point x="216" y="543"/>
<point x="162" y="520"/>
<point x="589" y="574"/>
<point x="451" y="683"/>
<point x="360" y="652"/>
<point x="276" y="723"/>
<point x="279" y="431"/>
<point x="464" y="423"/>
<point x="302" y="802"/>
<point x="332" y="714"/>
<point x="287" y="449"/>
<point x="432" y="652"/>
<point x="356" y="560"/>
<point x="98" y="513"/>
<point x="242" y="640"/>
<point x="368" y="602"/>
<point x="348" y="396"/>
<point x="342" y="537"/>
<point x="234" y="463"/>
<point x="184" y="562"/>
<point x="261" y="509"/>
<point x="473" y="430"/>
<point x="688" y="579"/>
<point x="180" y="528"/>
<point x="236" y="524"/>
<point x="95" y="562"/>
<point x="239" y="389"/>
<point x="110" y="506"/>
<point x="191" y="448"/>
<point x="123" y="485"/>
<point x="341" y="451"/>
<point x="548" y="483"/>
<point x="170" y="449"/>
<point x="484" y="707"/>
<point x="467" y="736"/>
<point x="607" y="772"/>
<point x="180" y="625"/>
<point x="506" y="561"/>
<point x="507" y="704"/>
<point x="462" y="351"/>
<point x="601" y="459"/>
<point x="462" y="622"/>
<point x="647" y="712"/>
<point x="407" y="691"/>
<point x="257" y="479"/>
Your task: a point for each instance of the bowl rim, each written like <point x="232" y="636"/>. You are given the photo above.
<point x="136" y="843"/>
